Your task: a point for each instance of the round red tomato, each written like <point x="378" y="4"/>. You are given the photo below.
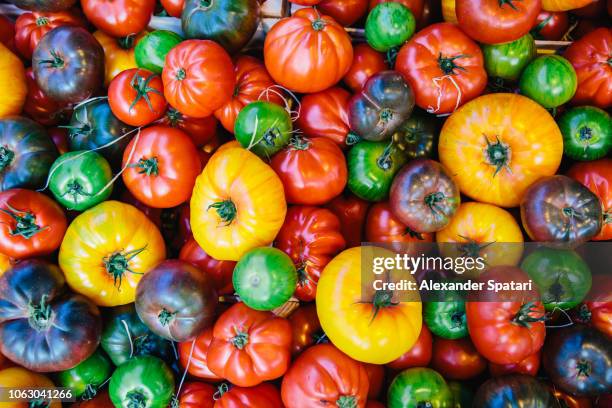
<point x="201" y="130"/>
<point x="529" y="366"/>
<point x="550" y="25"/>
<point x="197" y="395"/>
<point x="30" y="27"/>
<point x="174" y="8"/>
<point x="366" y="62"/>
<point x="346" y="12"/>
<point x="313" y="171"/>
<point x="161" y="165"/>
<point x="219" y="271"/>
<point x="39" y="106"/>
<point x="419" y="355"/>
<point x="198" y="77"/>
<point x="383" y="226"/>
<point x="444" y="67"/>
<point x="136" y="97"/>
<point x="119" y="18"/>
<point x="311" y="237"/>
<point x="457" y="359"/>
<point x="306" y="328"/>
<point x="262" y="395"/>
<point x="198" y="365"/>
<point x="351" y="211"/>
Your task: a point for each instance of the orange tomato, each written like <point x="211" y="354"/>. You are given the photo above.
<point x="18" y="377"/>
<point x="563" y="5"/>
<point x="12" y="76"/>
<point x="118" y="53"/>
<point x="448" y="11"/>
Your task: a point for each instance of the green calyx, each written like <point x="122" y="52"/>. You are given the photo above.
<point x="299" y="143"/>
<point x="471" y="248"/>
<point x="571" y="212"/>
<point x="165" y="317"/>
<point x="346" y="401"/>
<point x="126" y="43"/>
<point x="585" y="134"/>
<point x="270" y="135"/>
<point x="583" y="368"/>
<point x="6" y="157"/>
<point x="607" y="217"/>
<point x="149" y="166"/>
<point x="76" y="190"/>
<point x="447" y="64"/>
<point x="118" y="263"/>
<point x="90" y="392"/>
<point x="385" y="161"/>
<point x="40" y="314"/>
<point x="385" y="115"/>
<point x="240" y="340"/>
<point x="318" y="24"/>
<point x="497" y="154"/>
<point x="205" y="3"/>
<point x="352" y="138"/>
<point x="509" y="3"/>
<point x="381" y="299"/>
<point x="136" y="399"/>
<point x="412" y="233"/>
<point x="523" y="317"/>
<point x="25" y="222"/>
<point x="41" y="21"/>
<point x="174" y="117"/>
<point x="55" y="61"/>
<point x="424" y="404"/>
<point x="457" y="319"/>
<point x="180" y="74"/>
<point x="226" y="210"/>
<point x="433" y="200"/>
<point x="38" y="404"/>
<point x="221" y="389"/>
<point x="141" y="85"/>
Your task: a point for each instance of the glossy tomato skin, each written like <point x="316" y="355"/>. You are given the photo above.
<point x="39" y="106"/>
<point x="528" y="366"/>
<point x="416" y="386"/>
<point x="201" y="130"/>
<point x="366" y="62"/>
<point x="262" y="395"/>
<point x="382" y="226"/>
<point x="446" y="319"/>
<point x="198" y="362"/>
<point x="311" y="237"/>
<point x="298" y="52"/>
<point x="351" y="211"/>
<point x="563" y="5"/>
<point x="7" y="33"/>
<point x="437" y="58"/>
<point x="174" y="8"/>
<point x="570" y="400"/>
<point x="388" y="26"/>
<point x="31" y="224"/>
<point x="119" y="53"/>
<point x="195" y="394"/>
<point x="337" y="379"/>
<point x="345" y="12"/>
<point x="419" y="354"/>
<point x="306" y="328"/>
<point x="136" y="97"/>
<point x="145" y="379"/>
<point x="549" y="80"/>
<point x="550" y="25"/>
<point x="457" y="359"/>
<point x="12" y="75"/>
<point x="263" y="128"/>
<point x="31" y="27"/>
<point x="50" y="5"/>
<point x="150" y="53"/>
<point x="119" y="18"/>
<point x="415" y="6"/>
<point x="44" y="328"/>
<point x="417" y="136"/>
<point x="219" y="271"/>
<point x="19" y="377"/>
<point x="524" y="390"/>
<point x="508" y="60"/>
<point x="87" y="377"/>
<point x="587" y="133"/>
<point x="198" y="77"/>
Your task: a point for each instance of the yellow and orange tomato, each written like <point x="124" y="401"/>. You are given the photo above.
<point x="564" y="5"/>
<point x="18" y="377"/>
<point x="12" y="76"/>
<point x="118" y="53"/>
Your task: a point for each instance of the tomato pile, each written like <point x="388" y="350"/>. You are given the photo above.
<point x="185" y="186"/>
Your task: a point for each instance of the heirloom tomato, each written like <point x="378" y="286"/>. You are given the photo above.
<point x="597" y="311"/>
<point x="307" y="52"/>
<point x="382" y="226"/>
<point x="516" y="152"/>
<point x="46" y="5"/>
<point x="12" y="76"/>
<point x="101" y="400"/>
<point x="201" y="130"/>
<point x="305" y="2"/>
<point x="198" y="77"/>
<point x="196" y="361"/>
<point x="346" y="12"/>
<point x="263" y="128"/>
<point x="389" y="25"/>
<point x="419" y="354"/>
<point x="351" y="211"/>
<point x="249" y="346"/>
<point x="550" y="25"/>
<point x="419" y="387"/>
<point x="570" y="401"/>
<point x="174" y="8"/>
<point x="311" y="237"/>
<point x="306" y="328"/>
<point x="136" y="97"/>
<point x="508" y="60"/>
<point x="119" y="18"/>
<point x="262" y="395"/>
<point x="362" y="324"/>
<point x="563" y="5"/>
<point x="144" y="382"/>
<point x="529" y="366"/>
<point x="417" y="136"/>
<point x="366" y="62"/>
<point x="335" y="379"/>
<point x="104" y="259"/>
<point x="31" y="27"/>
<point x="511" y="391"/>
<point x="31" y="224"/>
<point x="457" y="359"/>
<point x="7" y="32"/>
<point x="150" y="53"/>
<point x="39" y="106"/>
<point x="87" y="377"/>
<point x="444" y="67"/>
<point x="238" y="203"/>
<point x="448" y="11"/>
<point x="587" y="133"/>
<point x="196" y="395"/>
<point x="59" y="135"/>
<point x="219" y="271"/>
<point x="415" y="6"/>
<point x="118" y="53"/>
<point x="19" y="377"/>
<point x="549" y="80"/>
<point x="446" y="318"/>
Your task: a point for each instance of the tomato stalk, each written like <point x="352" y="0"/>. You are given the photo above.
<point x="25" y="225"/>
<point x="385" y="161"/>
<point x="142" y="88"/>
<point x="174" y="117"/>
<point x="508" y="2"/>
<point x="447" y="64"/>
<point x="523" y="317"/>
<point x="457" y="319"/>
<point x="352" y="138"/>
<point x="127" y="42"/>
<point x="56" y="61"/>
<point x="119" y="262"/>
<point x="583" y="368"/>
<point x="6" y="157"/>
<point x="424" y="404"/>
<point x="432" y="201"/>
<point x="136" y="399"/>
<point x="226" y="210"/>
<point x="165" y="317"/>
<point x="75" y="189"/>
<point x="382" y="298"/>
<point x="412" y="233"/>
<point x="39" y="315"/>
<point x="221" y="389"/>
<point x="240" y="340"/>
<point x="38" y="404"/>
<point x="497" y="154"/>
<point x="148" y="166"/>
<point x="299" y="143"/>
<point x="41" y="21"/>
<point x="346" y="401"/>
<point x="90" y="392"/>
<point x="180" y="74"/>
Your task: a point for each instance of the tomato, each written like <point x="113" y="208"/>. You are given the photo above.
<point x="143" y="381"/>
<point x="417" y="136"/>
<point x="524" y="390"/>
<point x="371" y="168"/>
<point x="305" y="2"/>
<point x="118" y="53"/>
<point x="569" y="400"/>
<point x="263" y="128"/>
<point x="119" y="18"/>
<point x="44" y="328"/>
<point x="550" y="25"/>
<point x="80" y="179"/>
<point x="549" y="80"/>
<point x="335" y="379"/>
<point x="419" y="354"/>
<point x="101" y="400"/>
<point x="307" y="52"/>
<point x="150" y="52"/>
<point x="249" y="346"/>
<point x="424" y="196"/>
<point x="68" y="64"/>
<point x="262" y="395"/>
<point x="136" y="97"/>
<point x="448" y="11"/>
<point x="563" y="5"/>
<point x="351" y="211"/>
<point x="87" y="377"/>
<point x="196" y="395"/>
<point x="47" y="5"/>
<point x="198" y="77"/>
<point x="457" y="359"/>
<point x="18" y="377"/>
<point x="552" y="206"/>
<point x="508" y="60"/>
<point x="12" y="76"/>
<point x="201" y="130"/>
<point x="26" y="154"/>
<point x="416" y="387"/>
<point x="506" y="332"/>
<point x="237" y="204"/>
<point x="587" y="133"/>
<point x="382" y="226"/>
<point x="306" y="328"/>
<point x="389" y="25"/>
<point x="219" y="271"/>
<point x="366" y="62"/>
<point x="598" y="309"/>
<point x="516" y="153"/>
<point x="376" y="376"/>
<point x="104" y="259"/>
<point x="39" y="106"/>
<point x="345" y="12"/>
<point x="31" y="27"/>
<point x="7" y="33"/>
<point x="415" y="6"/>
<point x="446" y="319"/>
<point x="59" y="135"/>
<point x="197" y="364"/>
<point x="529" y="366"/>
<point x="31" y="224"/>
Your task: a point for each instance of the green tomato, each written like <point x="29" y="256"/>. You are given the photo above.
<point x="389" y="25"/>
<point x="263" y="127"/>
<point x="562" y="277"/>
<point x="371" y="168"/>
<point x="151" y="51"/>
<point x="265" y="278"/>
<point x="508" y="60"/>
<point x="417" y="388"/>
<point x="142" y="382"/>
<point x="446" y="319"/>
<point x="86" y="377"/>
<point x="77" y="179"/>
<point x="587" y="133"/>
<point x="549" y="80"/>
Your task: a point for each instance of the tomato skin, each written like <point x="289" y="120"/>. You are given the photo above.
<point x="7" y="33"/>
<point x="144" y="376"/>
<point x="18" y="377"/>
<point x="416" y="386"/>
<point x="417" y="136"/>
<point x="306" y="328"/>
<point x="457" y="359"/>
<point x="263" y="128"/>
<point x="550" y="25"/>
<point x="198" y="77"/>
<point x="564" y="5"/>
<point x="336" y="379"/>
<point x="262" y="395"/>
<point x="201" y="130"/>
<point x="389" y="25"/>
<point x="419" y="62"/>
<point x="219" y="271"/>
<point x="198" y="366"/>
<point x="345" y="12"/>
<point x="549" y="80"/>
<point x="88" y="375"/>
<point x="382" y="226"/>
<point x="528" y="366"/>
<point x="419" y="354"/>
<point x="569" y="400"/>
<point x="31" y="27"/>
<point x="311" y="237"/>
<point x="174" y="8"/>
<point x="351" y="211"/>
<point x="446" y="319"/>
<point x="415" y="6"/>
<point x="376" y="377"/>
<point x="587" y="133"/>
<point x="150" y="53"/>
<point x="195" y="394"/>
<point x="12" y="75"/>
<point x="366" y="62"/>
<point x="321" y="52"/>
<point x="119" y="18"/>
<point x="119" y="53"/>
<point x="508" y="60"/>
<point x="39" y="106"/>
<point x="136" y="97"/>
<point x="525" y="390"/>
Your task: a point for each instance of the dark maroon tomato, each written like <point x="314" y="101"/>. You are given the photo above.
<point x="39" y="106"/>
<point x="457" y="359"/>
<point x="512" y="391"/>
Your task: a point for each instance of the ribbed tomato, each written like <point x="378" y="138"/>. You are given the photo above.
<point x="262" y="395"/>
<point x="196" y="395"/>
<point x="383" y="226"/>
<point x="119" y="53"/>
<point x="201" y="130"/>
<point x="119" y="18"/>
<point x="197" y="364"/>
<point x="32" y="26"/>
<point x="529" y="366"/>
<point x="366" y="62"/>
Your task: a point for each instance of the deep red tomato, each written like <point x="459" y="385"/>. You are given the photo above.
<point x="444" y="67"/>
<point x="39" y="106"/>
<point x="346" y="12"/>
<point x="201" y="130"/>
<point x="197" y="395"/>
<point x="119" y="18"/>
<point x="416" y="6"/>
<point x="198" y="77"/>
<point x="376" y="377"/>
<point x="7" y="32"/>
<point x="383" y="226"/>
<point x="419" y="355"/>
<point x="31" y="224"/>
<point x="176" y="226"/>
<point x="550" y="25"/>
<point x="597" y="311"/>
<point x="60" y="138"/>
<point x="30" y="27"/>
<point x="597" y="176"/>
<point x="457" y="359"/>
<point x="174" y="8"/>
<point x="595" y="9"/>
<point x="263" y="395"/>
<point x="198" y="366"/>
<point x="154" y="214"/>
<point x="161" y="165"/>
<point x="366" y="62"/>
<point x="219" y="271"/>
<point x="313" y="171"/>
<point x="590" y="56"/>
<point x="253" y="83"/>
<point x="306" y="328"/>
<point x="311" y="237"/>
<point x="529" y="366"/>
<point x="374" y="404"/>
<point x="351" y="211"/>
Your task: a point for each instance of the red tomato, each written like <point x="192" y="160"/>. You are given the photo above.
<point x="306" y="328"/>
<point x="201" y="130"/>
<point x="444" y="67"/>
<point x="346" y="12"/>
<point x="136" y="97"/>
<point x="7" y="32"/>
<point x="529" y="366"/>
<point x="176" y="226"/>
<point x="325" y="114"/>
<point x="550" y="25"/>
<point x="30" y="27"/>
<point x="174" y="8"/>
<point x="162" y="165"/>
<point x="198" y="77"/>
<point x="351" y="211"/>
<point x="249" y="346"/>
<point x="39" y="106"/>
<point x="595" y="9"/>
<point x="253" y="83"/>
<point x="31" y="224"/>
<point x="313" y="171"/>
<point x="457" y="359"/>
<point x="419" y="355"/>
<point x="60" y="138"/>
<point x="263" y="395"/>
<point x="119" y="18"/>
<point x="383" y="226"/>
<point x="366" y="62"/>
<point x="197" y="395"/>
<point x="597" y="311"/>
<point x="219" y="271"/>
<point x="305" y="2"/>
<point x="590" y="58"/>
<point x="376" y="377"/>
<point x="416" y="6"/>
<point x="374" y="404"/>
<point x="154" y="214"/>
<point x="198" y="366"/>
<point x="311" y="237"/>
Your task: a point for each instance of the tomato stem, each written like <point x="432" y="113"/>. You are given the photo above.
<point x="6" y="157"/>
<point x="607" y="217"/>
<point x="180" y="74"/>
<point x="221" y="389"/>
<point x="584" y="368"/>
<point x="424" y="404"/>
<point x="585" y="134"/>
<point x="458" y="319"/>
<point x="142" y="88"/>
<point x="508" y="2"/>
<point x="447" y="64"/>
<point x="240" y="340"/>
<point x="299" y="143"/>
<point x="381" y="299"/>
<point x="385" y="161"/>
<point x="497" y="154"/>
<point x="205" y="3"/>
<point x="432" y="201"/>
<point x="55" y="62"/>
<point x="174" y="117"/>
<point x="25" y="222"/>
<point x="148" y="166"/>
<point x="90" y="392"/>
<point x="39" y="315"/>
<point x="41" y="21"/>
<point x="346" y="401"/>
<point x="75" y="189"/>
<point x="136" y="399"/>
<point x="523" y="317"/>
<point x="118" y="263"/>
<point x="318" y="24"/>
<point x="38" y="404"/>
<point x="127" y="42"/>
<point x="165" y="317"/>
<point x="391" y="56"/>
<point x="413" y="234"/>
<point x="226" y="210"/>
<point x="352" y="138"/>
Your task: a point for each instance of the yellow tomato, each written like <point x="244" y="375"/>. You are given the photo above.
<point x="18" y="377"/>
<point x="12" y="83"/>
<point x="564" y="5"/>
<point x="369" y="325"/>
<point x="118" y="53"/>
<point x="497" y="145"/>
<point x="448" y="11"/>
<point x="238" y="203"/>
<point x="107" y="249"/>
<point x="5" y="263"/>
